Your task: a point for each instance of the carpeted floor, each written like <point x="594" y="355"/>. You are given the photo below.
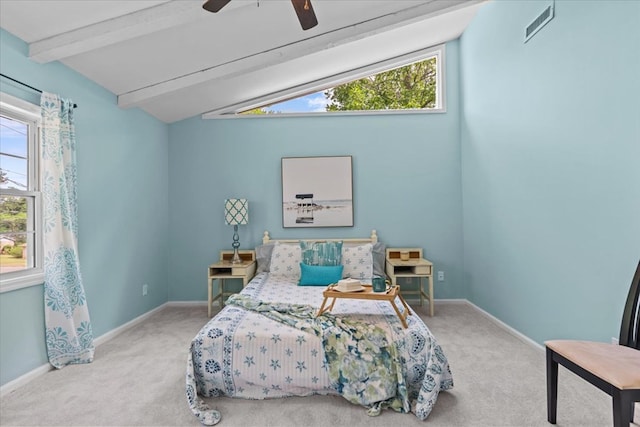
<point x="137" y="378"/>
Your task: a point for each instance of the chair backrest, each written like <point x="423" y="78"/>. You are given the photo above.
<point x="630" y="328"/>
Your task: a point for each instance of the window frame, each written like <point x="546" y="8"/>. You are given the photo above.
<point x="439" y="51"/>
<point x="24" y="111"/>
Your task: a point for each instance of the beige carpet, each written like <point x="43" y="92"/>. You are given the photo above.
<point x="137" y="378"/>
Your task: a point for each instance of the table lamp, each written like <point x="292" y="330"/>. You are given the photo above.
<point x="236" y="212"/>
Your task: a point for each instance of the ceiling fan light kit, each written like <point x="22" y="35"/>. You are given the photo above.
<point x="303" y="8"/>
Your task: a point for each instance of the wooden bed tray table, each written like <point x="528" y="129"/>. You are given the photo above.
<point x="390" y="295"/>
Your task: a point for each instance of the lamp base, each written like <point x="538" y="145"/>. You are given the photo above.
<point x="236" y="257"/>
<point x="236" y="244"/>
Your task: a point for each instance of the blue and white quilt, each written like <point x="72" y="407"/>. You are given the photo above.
<point x="267" y="343"/>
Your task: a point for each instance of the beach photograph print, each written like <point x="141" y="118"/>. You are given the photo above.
<point x="317" y="192"/>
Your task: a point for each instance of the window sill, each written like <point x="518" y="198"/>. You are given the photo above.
<point x="209" y="116"/>
<point x="24" y="281"/>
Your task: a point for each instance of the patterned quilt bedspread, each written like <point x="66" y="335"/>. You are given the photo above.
<point x="267" y="343"/>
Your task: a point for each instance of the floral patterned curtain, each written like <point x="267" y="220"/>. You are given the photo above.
<point x="68" y="327"/>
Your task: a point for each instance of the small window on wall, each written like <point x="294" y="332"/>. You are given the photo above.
<point x="20" y="213"/>
<point x="412" y="83"/>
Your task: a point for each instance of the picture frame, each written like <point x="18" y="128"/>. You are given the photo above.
<point x="317" y="191"/>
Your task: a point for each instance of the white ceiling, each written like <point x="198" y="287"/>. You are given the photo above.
<point x="175" y="60"/>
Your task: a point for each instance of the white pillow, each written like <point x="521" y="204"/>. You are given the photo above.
<point x="285" y="261"/>
<point x="379" y="254"/>
<point x="358" y="261"/>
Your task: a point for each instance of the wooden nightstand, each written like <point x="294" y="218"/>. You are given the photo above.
<point x="412" y="266"/>
<point x="224" y="269"/>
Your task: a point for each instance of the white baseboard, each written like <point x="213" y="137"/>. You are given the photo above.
<point x="446" y="301"/>
<point x="187" y="304"/>
<point x="508" y="328"/>
<point x="13" y="385"/>
<point x="120" y="329"/>
<point x="494" y="319"/>
<point x="41" y="370"/>
<point x="491" y="317"/>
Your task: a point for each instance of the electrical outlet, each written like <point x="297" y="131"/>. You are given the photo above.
<point x="145" y="289"/>
<point x="440" y="276"/>
<point x="614" y="341"/>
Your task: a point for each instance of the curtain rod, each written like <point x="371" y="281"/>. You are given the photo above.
<point x="27" y="86"/>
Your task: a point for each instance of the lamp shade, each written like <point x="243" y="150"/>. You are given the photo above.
<point x="236" y="211"/>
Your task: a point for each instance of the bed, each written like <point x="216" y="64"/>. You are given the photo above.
<point x="268" y="342"/>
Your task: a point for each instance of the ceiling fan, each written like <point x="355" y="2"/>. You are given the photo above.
<point x="303" y="8"/>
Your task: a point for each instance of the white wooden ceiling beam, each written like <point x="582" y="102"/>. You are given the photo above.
<point x="116" y="30"/>
<point x="288" y="52"/>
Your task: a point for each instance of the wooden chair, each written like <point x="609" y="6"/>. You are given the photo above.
<point x="614" y="369"/>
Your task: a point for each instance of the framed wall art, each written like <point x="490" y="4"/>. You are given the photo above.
<point x="317" y="191"/>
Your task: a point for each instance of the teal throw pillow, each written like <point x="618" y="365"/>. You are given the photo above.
<point x="319" y="275"/>
<point x="321" y="253"/>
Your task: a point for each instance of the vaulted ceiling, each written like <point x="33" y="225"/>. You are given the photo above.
<point x="175" y="60"/>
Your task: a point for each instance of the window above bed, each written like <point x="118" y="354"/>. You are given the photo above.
<point x="409" y="83"/>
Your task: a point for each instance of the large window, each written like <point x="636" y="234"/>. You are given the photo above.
<point x="410" y="83"/>
<point x="20" y="211"/>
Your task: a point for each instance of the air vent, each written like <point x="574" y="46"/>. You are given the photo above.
<point x="538" y="23"/>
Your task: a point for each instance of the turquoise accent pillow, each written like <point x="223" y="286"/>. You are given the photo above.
<point x="319" y="275"/>
<point x="321" y="253"/>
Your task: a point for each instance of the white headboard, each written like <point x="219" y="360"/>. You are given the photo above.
<point x="371" y="239"/>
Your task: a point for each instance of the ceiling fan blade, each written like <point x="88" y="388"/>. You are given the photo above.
<point x="306" y="15"/>
<point x="214" y="5"/>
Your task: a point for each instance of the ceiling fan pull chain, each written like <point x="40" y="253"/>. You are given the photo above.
<point x="306" y="4"/>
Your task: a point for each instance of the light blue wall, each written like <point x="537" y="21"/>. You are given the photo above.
<point x="406" y="183"/>
<point x="541" y="141"/>
<point x="551" y="165"/>
<point x="123" y="216"/>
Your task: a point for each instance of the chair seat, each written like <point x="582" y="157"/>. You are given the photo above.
<point x="616" y="364"/>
